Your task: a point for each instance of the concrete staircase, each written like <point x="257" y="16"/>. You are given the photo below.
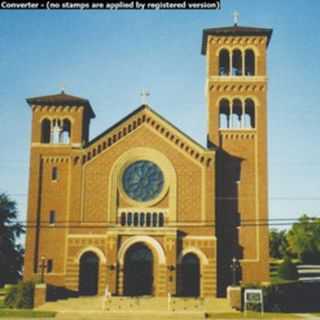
<point x="140" y="308"/>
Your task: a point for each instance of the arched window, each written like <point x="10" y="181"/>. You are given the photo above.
<point x="236" y="114"/>
<point x="52" y="217"/>
<point x="54" y="174"/>
<point x="65" y="132"/>
<point x="249" y="118"/>
<point x="161" y="219"/>
<point x="129" y="219"/>
<point x="249" y="62"/>
<point x="142" y="219"/>
<point x="236" y="62"/>
<point x="123" y="219"/>
<point x="224" y="62"/>
<point x="45" y="131"/>
<point x="154" y="219"/>
<point x="148" y="219"/>
<point x="224" y="114"/>
<point x="136" y="219"/>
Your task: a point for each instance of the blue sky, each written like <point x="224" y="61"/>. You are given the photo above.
<point x="109" y="56"/>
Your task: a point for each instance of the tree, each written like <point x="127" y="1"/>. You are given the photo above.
<point x="11" y="253"/>
<point x="288" y="270"/>
<point x="304" y="239"/>
<point x="278" y="244"/>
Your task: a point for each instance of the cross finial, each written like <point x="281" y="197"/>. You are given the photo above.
<point x="62" y="88"/>
<point x="144" y="96"/>
<point x="236" y="16"/>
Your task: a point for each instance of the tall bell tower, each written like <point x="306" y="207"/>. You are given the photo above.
<point x="236" y="92"/>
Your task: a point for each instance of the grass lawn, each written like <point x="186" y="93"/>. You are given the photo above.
<point x="253" y="315"/>
<point x="15" y="313"/>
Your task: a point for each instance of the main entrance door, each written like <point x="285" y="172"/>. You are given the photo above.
<point x="190" y="275"/>
<point x="138" y="271"/>
<point x="88" y="276"/>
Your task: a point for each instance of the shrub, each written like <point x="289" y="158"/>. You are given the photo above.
<point x="11" y="297"/>
<point x="20" y="296"/>
<point x="293" y="296"/>
<point x="288" y="270"/>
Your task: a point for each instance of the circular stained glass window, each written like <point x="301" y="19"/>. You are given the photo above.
<point x="142" y="180"/>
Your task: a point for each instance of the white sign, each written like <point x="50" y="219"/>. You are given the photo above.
<point x="253" y="296"/>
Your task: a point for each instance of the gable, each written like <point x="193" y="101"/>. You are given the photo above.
<point x="144" y="115"/>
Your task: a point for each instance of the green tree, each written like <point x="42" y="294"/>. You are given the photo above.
<point x="11" y="253"/>
<point x="278" y="244"/>
<point x="288" y="270"/>
<point x="304" y="239"/>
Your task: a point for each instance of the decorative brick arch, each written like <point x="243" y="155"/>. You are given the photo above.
<point x="95" y="250"/>
<point x="202" y="257"/>
<point x="153" y="244"/>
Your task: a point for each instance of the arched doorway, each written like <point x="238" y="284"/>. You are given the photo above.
<point x="138" y="270"/>
<point x="190" y="275"/>
<point x="88" y="275"/>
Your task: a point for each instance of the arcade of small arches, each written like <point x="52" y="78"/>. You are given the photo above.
<point x="237" y="62"/>
<point x="141" y="219"/>
<point x="56" y="131"/>
<point x="138" y="262"/>
<point x="237" y="114"/>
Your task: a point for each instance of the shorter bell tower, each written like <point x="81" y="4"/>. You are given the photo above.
<point x="60" y="119"/>
<point x="60" y="131"/>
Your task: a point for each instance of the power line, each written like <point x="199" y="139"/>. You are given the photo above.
<point x="273" y="198"/>
<point x="179" y="221"/>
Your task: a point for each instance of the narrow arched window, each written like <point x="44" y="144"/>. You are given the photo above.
<point x="236" y="118"/>
<point x="52" y="217"/>
<point x="49" y="265"/>
<point x="45" y="131"/>
<point x="123" y="219"/>
<point x="249" y="119"/>
<point x="224" y="114"/>
<point x="154" y="219"/>
<point x="54" y="174"/>
<point x="148" y="219"/>
<point x="236" y="62"/>
<point x="136" y="219"/>
<point x="224" y="62"/>
<point x="129" y="219"/>
<point x="142" y="219"/>
<point x="249" y="63"/>
<point x="65" y="134"/>
<point x="161" y="219"/>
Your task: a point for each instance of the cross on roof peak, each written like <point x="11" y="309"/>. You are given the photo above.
<point x="62" y="88"/>
<point x="236" y="16"/>
<point x="144" y="96"/>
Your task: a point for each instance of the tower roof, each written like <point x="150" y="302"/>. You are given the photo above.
<point x="61" y="99"/>
<point x="234" y="30"/>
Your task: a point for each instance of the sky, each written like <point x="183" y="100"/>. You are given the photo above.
<point x="109" y="57"/>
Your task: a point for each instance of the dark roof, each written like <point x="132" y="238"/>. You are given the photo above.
<point x="234" y="31"/>
<point x="145" y="107"/>
<point x="61" y="99"/>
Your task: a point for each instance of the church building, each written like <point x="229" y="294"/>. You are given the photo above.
<point x="143" y="209"/>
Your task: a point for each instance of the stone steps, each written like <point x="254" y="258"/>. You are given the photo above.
<point x="136" y="305"/>
<point x="144" y="315"/>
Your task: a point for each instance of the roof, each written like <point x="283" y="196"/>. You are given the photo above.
<point x="61" y="99"/>
<point x="142" y="108"/>
<point x="234" y="30"/>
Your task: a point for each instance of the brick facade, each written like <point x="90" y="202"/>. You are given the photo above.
<point x="88" y="199"/>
